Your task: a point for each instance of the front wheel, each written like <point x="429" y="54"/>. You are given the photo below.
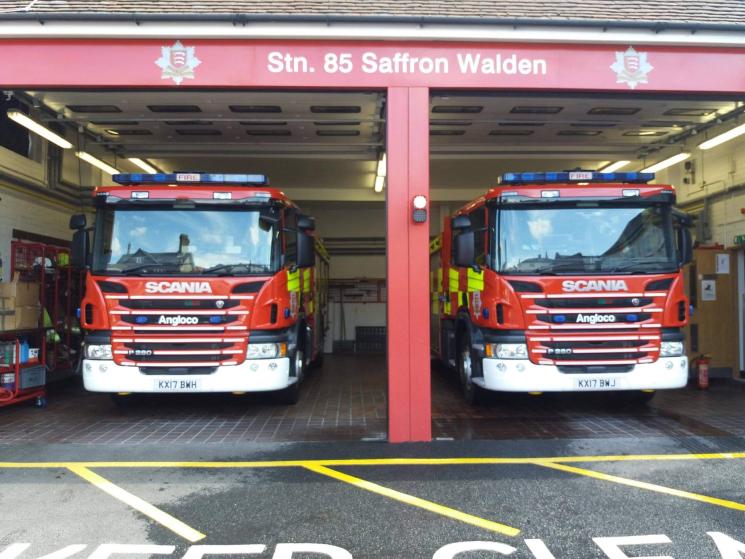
<point x="291" y="395"/>
<point x="466" y="367"/>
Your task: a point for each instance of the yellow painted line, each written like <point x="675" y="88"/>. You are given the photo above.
<point x="163" y="518"/>
<point x="644" y="485"/>
<point x="415" y="501"/>
<point x="382" y="461"/>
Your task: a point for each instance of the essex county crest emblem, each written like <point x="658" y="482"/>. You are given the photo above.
<point x="631" y="67"/>
<point x="177" y="62"/>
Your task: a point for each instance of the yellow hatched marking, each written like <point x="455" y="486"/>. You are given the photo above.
<point x="382" y="461"/>
<point x="644" y="485"/>
<point x="415" y="501"/>
<point x="162" y="518"/>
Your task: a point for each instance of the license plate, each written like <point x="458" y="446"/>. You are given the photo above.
<point x="595" y="383"/>
<point x="177" y="385"/>
<point x="580" y="176"/>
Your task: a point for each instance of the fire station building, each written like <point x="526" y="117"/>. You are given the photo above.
<point x="379" y="119"/>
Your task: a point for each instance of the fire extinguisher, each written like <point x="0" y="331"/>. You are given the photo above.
<point x="702" y="371"/>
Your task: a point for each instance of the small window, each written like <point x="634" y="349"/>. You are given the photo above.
<point x="290" y="235"/>
<point x="478" y="226"/>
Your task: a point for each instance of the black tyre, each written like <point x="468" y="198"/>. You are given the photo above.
<point x="467" y="366"/>
<point x="636" y="398"/>
<point x="123" y="402"/>
<point x="291" y="395"/>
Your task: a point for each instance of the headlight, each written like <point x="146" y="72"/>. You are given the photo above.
<point x="101" y="352"/>
<point x="507" y="351"/>
<point x="671" y="349"/>
<point x="266" y="351"/>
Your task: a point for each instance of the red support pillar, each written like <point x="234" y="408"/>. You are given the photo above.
<point x="409" y="392"/>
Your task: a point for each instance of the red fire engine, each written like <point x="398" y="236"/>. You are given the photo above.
<point x="199" y="283"/>
<point x="563" y="282"/>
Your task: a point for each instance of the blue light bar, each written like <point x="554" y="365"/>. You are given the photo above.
<point x="574" y="176"/>
<point x="191" y="178"/>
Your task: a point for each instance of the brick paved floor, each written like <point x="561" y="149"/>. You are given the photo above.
<point x="346" y="400"/>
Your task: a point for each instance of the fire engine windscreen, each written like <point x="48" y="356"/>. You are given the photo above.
<point x="585" y="238"/>
<point x="167" y="240"/>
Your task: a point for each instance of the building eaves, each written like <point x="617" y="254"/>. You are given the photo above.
<point x="660" y="12"/>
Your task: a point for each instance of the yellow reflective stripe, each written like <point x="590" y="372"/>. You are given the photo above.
<point x="293" y="280"/>
<point x="446" y="307"/>
<point x="439" y="278"/>
<point x="309" y="307"/>
<point x="306" y="280"/>
<point x="475" y="280"/>
<point x="453" y="279"/>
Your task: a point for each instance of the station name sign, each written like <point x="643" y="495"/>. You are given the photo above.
<point x="404" y="62"/>
<point x="243" y="63"/>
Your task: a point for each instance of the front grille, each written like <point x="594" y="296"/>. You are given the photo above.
<point x="191" y="353"/>
<point x="571" y="318"/>
<point x="594" y="369"/>
<point x="177" y="370"/>
<point x="592" y="303"/>
<point x="606" y="350"/>
<point x="179" y="358"/>
<point x="599" y="344"/>
<point x="171" y="320"/>
<point x="178" y="304"/>
<point x="179" y="346"/>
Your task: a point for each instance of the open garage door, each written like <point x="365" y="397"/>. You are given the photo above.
<point x="476" y="138"/>
<point x="323" y="152"/>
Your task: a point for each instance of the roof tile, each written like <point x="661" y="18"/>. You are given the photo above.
<point x="659" y="11"/>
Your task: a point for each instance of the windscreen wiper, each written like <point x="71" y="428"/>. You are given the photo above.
<point x="637" y="266"/>
<point x="139" y="267"/>
<point x="227" y="269"/>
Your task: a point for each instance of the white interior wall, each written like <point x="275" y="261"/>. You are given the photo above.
<point x="352" y="220"/>
<point x="41" y="213"/>
<point x="716" y="172"/>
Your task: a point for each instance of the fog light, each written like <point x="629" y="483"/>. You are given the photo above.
<point x="669" y="365"/>
<point x="501" y="367"/>
<point x="254" y="367"/>
<point x="88" y="367"/>
<point x="103" y="368"/>
<point x="520" y="367"/>
<point x="272" y="366"/>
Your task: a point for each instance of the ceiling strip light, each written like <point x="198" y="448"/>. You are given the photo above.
<point x="85" y="156"/>
<point x="382" y="166"/>
<point x="17" y="116"/>
<point x="665" y="163"/>
<point x="614" y="166"/>
<point x="721" y="138"/>
<point x="379" y="182"/>
<point x="381" y="174"/>
<point x="144" y="165"/>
